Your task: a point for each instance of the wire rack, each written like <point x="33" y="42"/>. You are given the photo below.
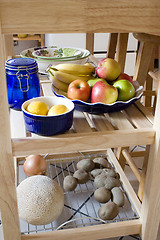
<point x="80" y="207"/>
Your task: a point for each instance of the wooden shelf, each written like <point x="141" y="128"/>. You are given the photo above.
<point x="114" y="126"/>
<point x="38" y="37"/>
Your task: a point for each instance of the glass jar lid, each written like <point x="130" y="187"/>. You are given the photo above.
<point x="21" y="63"/>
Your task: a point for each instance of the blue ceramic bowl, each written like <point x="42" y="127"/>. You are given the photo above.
<point x="49" y="125"/>
<point x="100" y="108"/>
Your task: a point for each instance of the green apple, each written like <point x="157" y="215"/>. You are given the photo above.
<point x="125" y="88"/>
<point x="92" y="81"/>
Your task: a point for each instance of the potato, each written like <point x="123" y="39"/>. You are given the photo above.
<point x="108" y="172"/>
<point x="69" y="183"/>
<point x="102" y="195"/>
<point x="96" y="172"/>
<point x="99" y="181"/>
<point x="118" y="196"/>
<point x="101" y="162"/>
<point x="86" y="164"/>
<point x="108" y="211"/>
<point x="81" y="176"/>
<point x="111" y="182"/>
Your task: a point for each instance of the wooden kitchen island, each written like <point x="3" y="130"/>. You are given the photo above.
<point x="90" y="133"/>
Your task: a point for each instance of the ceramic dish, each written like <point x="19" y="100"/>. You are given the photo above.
<point x="43" y="64"/>
<point x="54" y="53"/>
<point x="49" y="125"/>
<point x="97" y="108"/>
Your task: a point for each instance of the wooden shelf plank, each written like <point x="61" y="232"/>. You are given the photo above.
<point x="82" y="141"/>
<point x="29" y="37"/>
<point x="128" y="188"/>
<point x="92" y="232"/>
<point x="26" y="17"/>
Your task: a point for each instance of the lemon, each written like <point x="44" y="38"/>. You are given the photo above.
<point x="38" y="108"/>
<point x="57" y="109"/>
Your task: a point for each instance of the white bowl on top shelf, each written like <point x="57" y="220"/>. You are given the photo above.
<point x="44" y="63"/>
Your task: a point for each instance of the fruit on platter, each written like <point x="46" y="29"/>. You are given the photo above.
<point x="66" y="77"/>
<point x="80" y="82"/>
<point x="63" y="74"/>
<point x="108" y="69"/>
<point x="57" y="109"/>
<point x="77" y="69"/>
<point x="38" y="108"/>
<point x="79" y="89"/>
<point x="126" y="90"/>
<point x="58" y="84"/>
<point x="125" y="76"/>
<point x="92" y="81"/>
<point x="104" y="93"/>
<point x="59" y="92"/>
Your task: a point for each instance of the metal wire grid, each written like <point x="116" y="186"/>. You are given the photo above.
<point x="80" y="208"/>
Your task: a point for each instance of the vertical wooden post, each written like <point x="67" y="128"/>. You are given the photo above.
<point x="143" y="174"/>
<point x="150" y="216"/>
<point x="41" y="41"/>
<point x="121" y="51"/>
<point x="112" y="44"/>
<point x="143" y="62"/>
<point x="90" y="42"/>
<point x="8" y="199"/>
<point x="9" y="48"/>
<point x="118" y="45"/>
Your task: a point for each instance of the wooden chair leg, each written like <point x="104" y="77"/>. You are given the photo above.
<point x="143" y="62"/>
<point x="90" y="42"/>
<point x="120" y="156"/>
<point x="112" y="44"/>
<point x="118" y="45"/>
<point x="149" y="83"/>
<point x="121" y="51"/>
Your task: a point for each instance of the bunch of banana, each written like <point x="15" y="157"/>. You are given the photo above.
<point x="63" y="74"/>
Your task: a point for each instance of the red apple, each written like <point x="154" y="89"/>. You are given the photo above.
<point x="108" y="69"/>
<point x="79" y="89"/>
<point x="125" y="76"/>
<point x="104" y="93"/>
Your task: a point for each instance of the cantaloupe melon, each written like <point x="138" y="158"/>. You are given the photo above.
<point x="40" y="200"/>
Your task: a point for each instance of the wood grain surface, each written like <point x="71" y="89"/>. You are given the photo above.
<point x="79" y="16"/>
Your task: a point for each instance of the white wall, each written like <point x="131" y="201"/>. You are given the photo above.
<point x="100" y="45"/>
<point x="66" y="40"/>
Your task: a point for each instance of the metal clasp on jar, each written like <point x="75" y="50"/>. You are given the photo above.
<point x="23" y="76"/>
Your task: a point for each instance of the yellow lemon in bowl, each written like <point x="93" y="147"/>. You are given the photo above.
<point x="38" y="108"/>
<point x="57" y="110"/>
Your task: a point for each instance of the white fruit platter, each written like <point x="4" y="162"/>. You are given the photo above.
<point x="98" y="108"/>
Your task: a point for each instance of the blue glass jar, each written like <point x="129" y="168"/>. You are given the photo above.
<point x="22" y="81"/>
